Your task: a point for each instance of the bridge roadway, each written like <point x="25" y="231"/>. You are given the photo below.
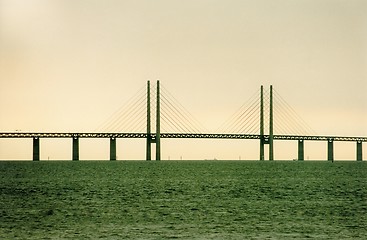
<point x="178" y="135"/>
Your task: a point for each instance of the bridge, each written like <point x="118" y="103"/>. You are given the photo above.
<point x="179" y="123"/>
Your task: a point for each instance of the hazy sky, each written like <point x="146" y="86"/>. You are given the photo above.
<point x="67" y="65"/>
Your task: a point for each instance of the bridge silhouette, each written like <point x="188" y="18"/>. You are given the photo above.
<point x="258" y="119"/>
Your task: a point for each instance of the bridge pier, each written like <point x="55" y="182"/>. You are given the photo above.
<point x="330" y="151"/>
<point x="359" y="151"/>
<point x="301" y="153"/>
<point x="75" y="148"/>
<point x="112" y="149"/>
<point x="36" y="149"/>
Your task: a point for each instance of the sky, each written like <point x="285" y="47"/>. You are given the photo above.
<point x="67" y="65"/>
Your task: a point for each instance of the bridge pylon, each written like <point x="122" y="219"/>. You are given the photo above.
<point x="150" y="137"/>
<point x="266" y="139"/>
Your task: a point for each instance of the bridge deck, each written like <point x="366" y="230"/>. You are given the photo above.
<point x="178" y="135"/>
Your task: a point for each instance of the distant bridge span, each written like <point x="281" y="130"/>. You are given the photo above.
<point x="154" y="137"/>
<point x="113" y="136"/>
<point x="179" y="135"/>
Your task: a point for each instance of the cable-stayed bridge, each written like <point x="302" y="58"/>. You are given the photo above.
<point x="154" y="113"/>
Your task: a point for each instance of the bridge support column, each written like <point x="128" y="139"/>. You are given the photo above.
<point x="330" y="150"/>
<point x="359" y="151"/>
<point x="36" y="149"/>
<point x="149" y="148"/>
<point x="75" y="148"/>
<point x="158" y="127"/>
<point x="301" y="153"/>
<point x="112" y="149"/>
<point x="262" y="146"/>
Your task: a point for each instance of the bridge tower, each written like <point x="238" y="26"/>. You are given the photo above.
<point x="263" y="138"/>
<point x="150" y="137"/>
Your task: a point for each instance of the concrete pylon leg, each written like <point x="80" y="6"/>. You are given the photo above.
<point x="271" y="128"/>
<point x="149" y="137"/>
<point x="158" y="126"/>
<point x="262" y="123"/>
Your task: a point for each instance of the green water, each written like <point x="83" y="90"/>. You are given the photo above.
<point x="183" y="199"/>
